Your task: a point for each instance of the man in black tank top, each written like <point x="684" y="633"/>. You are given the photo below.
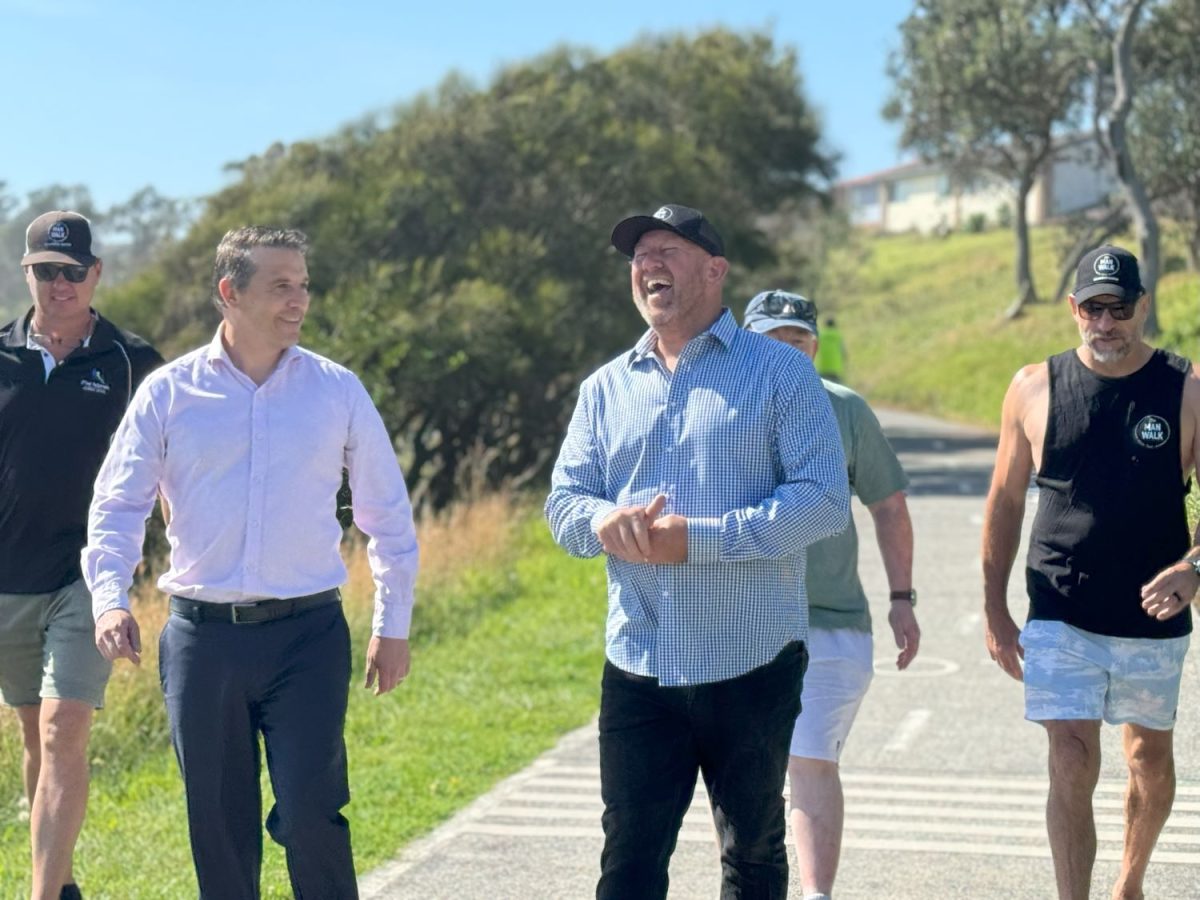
<point x="1111" y="429"/>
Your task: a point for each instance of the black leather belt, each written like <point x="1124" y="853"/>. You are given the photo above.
<point x="251" y="613"/>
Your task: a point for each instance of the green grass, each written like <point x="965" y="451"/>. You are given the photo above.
<point x="508" y="661"/>
<point x="924" y="323"/>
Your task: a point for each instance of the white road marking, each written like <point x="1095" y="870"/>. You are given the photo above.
<point x="910" y="726"/>
<point x="921" y="667"/>
<point x="889" y="811"/>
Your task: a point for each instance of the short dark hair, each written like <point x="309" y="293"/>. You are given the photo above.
<point x="233" y="253"/>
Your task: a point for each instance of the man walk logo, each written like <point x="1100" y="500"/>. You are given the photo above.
<point x="1152" y="432"/>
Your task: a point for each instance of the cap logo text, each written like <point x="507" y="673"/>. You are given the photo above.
<point x="59" y="233"/>
<point x="1106" y="266"/>
<point x="664" y="214"/>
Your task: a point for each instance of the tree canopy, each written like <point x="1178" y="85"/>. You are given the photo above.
<point x="985" y="86"/>
<point x="460" y="256"/>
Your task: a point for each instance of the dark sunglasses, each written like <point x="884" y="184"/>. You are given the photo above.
<point x="781" y="306"/>
<point x="1123" y="311"/>
<point x="49" y="271"/>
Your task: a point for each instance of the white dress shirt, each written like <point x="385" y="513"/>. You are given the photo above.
<point x="250" y="474"/>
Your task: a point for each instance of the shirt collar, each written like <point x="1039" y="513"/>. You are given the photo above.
<point x="723" y="329"/>
<point x="216" y="352"/>
<point x="22" y="333"/>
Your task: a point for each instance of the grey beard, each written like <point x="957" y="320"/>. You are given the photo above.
<point x="1110" y="356"/>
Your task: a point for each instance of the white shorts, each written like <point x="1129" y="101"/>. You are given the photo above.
<point x="840" y="668"/>
<point x="1075" y="674"/>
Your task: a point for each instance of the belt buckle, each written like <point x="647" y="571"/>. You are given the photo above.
<point x="235" y="613"/>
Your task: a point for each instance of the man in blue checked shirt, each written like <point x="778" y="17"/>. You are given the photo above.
<point x="702" y="462"/>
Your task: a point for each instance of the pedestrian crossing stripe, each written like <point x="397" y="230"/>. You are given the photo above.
<point x="969" y="815"/>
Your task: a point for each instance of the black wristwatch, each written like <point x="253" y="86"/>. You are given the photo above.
<point x="911" y="595"/>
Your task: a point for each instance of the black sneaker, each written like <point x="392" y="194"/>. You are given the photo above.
<point x="70" y="892"/>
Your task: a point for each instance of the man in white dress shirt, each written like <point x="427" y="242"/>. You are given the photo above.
<point x="246" y="439"/>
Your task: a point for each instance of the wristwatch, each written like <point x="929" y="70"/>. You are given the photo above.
<point x="911" y="595"/>
<point x="1194" y="562"/>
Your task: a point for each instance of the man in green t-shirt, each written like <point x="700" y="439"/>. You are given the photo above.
<point x="839" y="641"/>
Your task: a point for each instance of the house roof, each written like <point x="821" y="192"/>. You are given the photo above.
<point x="913" y="167"/>
<point x="921" y="167"/>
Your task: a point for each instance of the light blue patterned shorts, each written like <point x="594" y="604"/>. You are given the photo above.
<point x="1075" y="674"/>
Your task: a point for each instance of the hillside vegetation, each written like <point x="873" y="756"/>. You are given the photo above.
<point x="924" y="325"/>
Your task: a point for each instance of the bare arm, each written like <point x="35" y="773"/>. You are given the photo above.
<point x="1171" y="590"/>
<point x="1003" y="514"/>
<point x="894" y="535"/>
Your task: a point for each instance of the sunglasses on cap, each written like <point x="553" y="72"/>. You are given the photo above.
<point x="49" y="271"/>
<point x="1092" y="310"/>
<point x="782" y="306"/>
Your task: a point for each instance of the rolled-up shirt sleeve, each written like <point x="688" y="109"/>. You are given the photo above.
<point x="382" y="511"/>
<point x="122" y="500"/>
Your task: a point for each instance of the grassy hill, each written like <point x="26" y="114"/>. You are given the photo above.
<point x="923" y="318"/>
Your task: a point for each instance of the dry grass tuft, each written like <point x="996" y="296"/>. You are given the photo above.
<point x="473" y="535"/>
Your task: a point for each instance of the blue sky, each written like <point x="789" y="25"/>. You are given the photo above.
<point x="118" y="94"/>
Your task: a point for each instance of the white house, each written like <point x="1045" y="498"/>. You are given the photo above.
<point x="923" y="197"/>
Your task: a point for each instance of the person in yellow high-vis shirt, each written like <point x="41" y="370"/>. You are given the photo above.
<point x="830" y="361"/>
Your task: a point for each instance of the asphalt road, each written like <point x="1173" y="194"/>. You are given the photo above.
<point x="945" y="780"/>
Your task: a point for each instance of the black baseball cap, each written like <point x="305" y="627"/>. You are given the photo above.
<point x="1108" y="271"/>
<point x="59" y="237"/>
<point x="686" y="222"/>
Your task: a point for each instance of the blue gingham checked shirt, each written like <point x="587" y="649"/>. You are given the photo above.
<point x="742" y="440"/>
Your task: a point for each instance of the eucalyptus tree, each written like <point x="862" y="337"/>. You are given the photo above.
<point x="1115" y="82"/>
<point x="987" y="86"/>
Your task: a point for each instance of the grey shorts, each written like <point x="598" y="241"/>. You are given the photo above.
<point x="48" y="648"/>
<point x="1075" y="674"/>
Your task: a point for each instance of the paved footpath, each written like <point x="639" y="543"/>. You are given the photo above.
<point x="945" y="781"/>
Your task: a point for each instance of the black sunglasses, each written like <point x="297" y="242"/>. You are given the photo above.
<point x="49" y="271"/>
<point x="782" y="306"/>
<point x="1122" y="311"/>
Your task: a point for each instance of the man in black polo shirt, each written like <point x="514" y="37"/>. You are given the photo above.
<point x="66" y="376"/>
<point x="1112" y="430"/>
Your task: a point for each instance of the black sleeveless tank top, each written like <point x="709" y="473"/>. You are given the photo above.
<point x="1110" y="506"/>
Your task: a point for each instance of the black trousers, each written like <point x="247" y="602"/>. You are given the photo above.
<point x="289" y="680"/>
<point x="653" y="742"/>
